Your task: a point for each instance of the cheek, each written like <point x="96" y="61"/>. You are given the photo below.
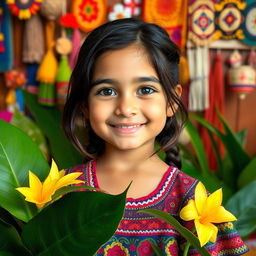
<point x="99" y="112"/>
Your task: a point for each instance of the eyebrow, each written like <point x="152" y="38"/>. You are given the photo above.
<point x="136" y="80"/>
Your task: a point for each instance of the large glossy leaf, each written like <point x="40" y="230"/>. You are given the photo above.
<point x="243" y="206"/>
<point x="248" y="174"/>
<point x="77" y="224"/>
<point x="193" y="240"/>
<point x="198" y="147"/>
<point x="18" y="155"/>
<point x="10" y="240"/>
<point x="6" y="217"/>
<point x="49" y="121"/>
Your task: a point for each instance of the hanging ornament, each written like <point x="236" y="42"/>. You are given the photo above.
<point x="252" y="58"/>
<point x="241" y="78"/>
<point x="201" y="26"/>
<point x="133" y="6"/>
<point x="47" y="70"/>
<point x="118" y="11"/>
<point x="249" y="25"/>
<point x="69" y="21"/>
<point x="23" y="9"/>
<point x="15" y="80"/>
<point x="51" y="10"/>
<point x="89" y="13"/>
<point x="229" y="19"/>
<point x="32" y="85"/>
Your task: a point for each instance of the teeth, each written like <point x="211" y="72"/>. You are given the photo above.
<point x="128" y="127"/>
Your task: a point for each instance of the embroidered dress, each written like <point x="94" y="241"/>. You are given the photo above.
<point x="136" y="229"/>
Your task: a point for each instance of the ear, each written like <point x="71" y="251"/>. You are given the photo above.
<point x="171" y="108"/>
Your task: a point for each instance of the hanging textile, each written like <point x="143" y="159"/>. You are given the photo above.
<point x="229" y="19"/>
<point x="216" y="102"/>
<point x="6" y="52"/>
<point x="249" y="25"/>
<point x="201" y="26"/>
<point x="171" y="15"/>
<point x="198" y="59"/>
<point x="89" y="13"/>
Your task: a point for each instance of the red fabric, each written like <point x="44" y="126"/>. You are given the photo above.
<point x="216" y="101"/>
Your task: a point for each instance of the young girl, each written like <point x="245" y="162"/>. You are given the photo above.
<point x="124" y="91"/>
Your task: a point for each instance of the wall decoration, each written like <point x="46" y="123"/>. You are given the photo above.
<point x="24" y="9"/>
<point x="229" y="19"/>
<point x="201" y="26"/>
<point x="6" y="54"/>
<point x="249" y="25"/>
<point x="171" y="15"/>
<point x="89" y="13"/>
<point x="134" y="7"/>
<point x="118" y="11"/>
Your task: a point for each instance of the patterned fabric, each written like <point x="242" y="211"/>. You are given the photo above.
<point x="89" y="13"/>
<point x="249" y="25"/>
<point x="171" y="15"/>
<point x="137" y="229"/>
<point x="229" y="19"/>
<point x="201" y="26"/>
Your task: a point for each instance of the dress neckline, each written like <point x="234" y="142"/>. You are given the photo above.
<point x="158" y="191"/>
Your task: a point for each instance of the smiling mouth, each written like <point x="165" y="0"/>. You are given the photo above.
<point x="127" y="128"/>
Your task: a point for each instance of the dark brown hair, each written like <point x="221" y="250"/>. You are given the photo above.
<point x="115" y="35"/>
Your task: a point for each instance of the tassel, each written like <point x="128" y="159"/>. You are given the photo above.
<point x="76" y="44"/>
<point x="47" y="70"/>
<point x="32" y="84"/>
<point x="33" y="41"/>
<point x="63" y="76"/>
<point x="183" y="70"/>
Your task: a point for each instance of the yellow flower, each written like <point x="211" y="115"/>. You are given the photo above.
<point x="206" y="210"/>
<point x="41" y="193"/>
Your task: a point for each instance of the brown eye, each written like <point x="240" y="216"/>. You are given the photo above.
<point x="106" y="92"/>
<point x="146" y="90"/>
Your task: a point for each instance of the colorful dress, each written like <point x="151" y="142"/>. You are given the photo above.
<point x="137" y="229"/>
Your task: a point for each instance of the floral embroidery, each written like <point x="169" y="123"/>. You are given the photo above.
<point x="171" y="248"/>
<point x="89" y="10"/>
<point x="116" y="249"/>
<point x="119" y="12"/>
<point x="145" y="248"/>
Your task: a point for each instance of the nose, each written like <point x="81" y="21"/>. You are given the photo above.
<point x="127" y="106"/>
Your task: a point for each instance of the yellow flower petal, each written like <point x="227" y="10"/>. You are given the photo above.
<point x="25" y="191"/>
<point x="204" y="232"/>
<point x="214" y="233"/>
<point x="221" y="215"/>
<point x="189" y="212"/>
<point x="68" y="180"/>
<point x="200" y="197"/>
<point x="35" y="184"/>
<point x="54" y="172"/>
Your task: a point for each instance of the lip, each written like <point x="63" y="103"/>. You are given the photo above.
<point x="127" y="128"/>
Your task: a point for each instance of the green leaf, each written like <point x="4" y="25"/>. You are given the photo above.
<point x="29" y="127"/>
<point x="248" y="174"/>
<point x="198" y="147"/>
<point x="243" y="205"/>
<point x="5" y="253"/>
<point x="18" y="155"/>
<point x="77" y="224"/>
<point x="182" y="230"/>
<point x="187" y="155"/>
<point x="49" y="121"/>
<point x="6" y="217"/>
<point x="10" y="240"/>
<point x="241" y="136"/>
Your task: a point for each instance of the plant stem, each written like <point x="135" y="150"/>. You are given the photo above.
<point x="185" y="252"/>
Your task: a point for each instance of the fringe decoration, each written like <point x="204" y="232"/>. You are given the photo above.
<point x="76" y="44"/>
<point x="199" y="87"/>
<point x="33" y="41"/>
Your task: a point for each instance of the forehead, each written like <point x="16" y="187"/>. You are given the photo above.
<point x="130" y="61"/>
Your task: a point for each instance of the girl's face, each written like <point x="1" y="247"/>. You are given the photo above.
<point x="127" y="105"/>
